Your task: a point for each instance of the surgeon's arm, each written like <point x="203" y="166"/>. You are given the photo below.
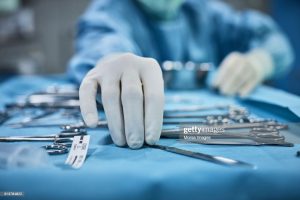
<point x="132" y="90"/>
<point x="101" y="31"/>
<point x="252" y="47"/>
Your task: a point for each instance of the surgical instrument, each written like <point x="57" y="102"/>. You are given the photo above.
<point x="264" y="126"/>
<point x="101" y="124"/>
<point x="56" y="92"/>
<point x="268" y="135"/>
<point x="81" y="125"/>
<point x="31" y="119"/>
<point x="61" y="141"/>
<point x="215" y="159"/>
<point x="64" y="126"/>
<point x="56" y="149"/>
<point x="216" y="116"/>
<point x="211" y="119"/>
<point x="259" y="126"/>
<point x="40" y="138"/>
<point x="57" y="97"/>
<point x="235" y="113"/>
<point x="104" y="124"/>
<point x="198" y="108"/>
<point x="67" y="104"/>
<point x="52" y="96"/>
<point x="236" y="142"/>
<point x="259" y="139"/>
<point x="40" y="121"/>
<point x="192" y="74"/>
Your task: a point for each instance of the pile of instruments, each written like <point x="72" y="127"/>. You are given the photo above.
<point x="209" y="124"/>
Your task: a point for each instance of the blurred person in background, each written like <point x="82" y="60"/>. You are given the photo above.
<point x="121" y="43"/>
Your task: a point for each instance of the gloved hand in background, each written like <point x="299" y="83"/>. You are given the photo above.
<point x="239" y="74"/>
<point x="132" y="93"/>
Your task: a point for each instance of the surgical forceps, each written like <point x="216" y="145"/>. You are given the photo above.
<point x="66" y="104"/>
<point x="257" y="137"/>
<point x="258" y="126"/>
<point x="38" y="120"/>
<point x="61" y="141"/>
<point x="103" y="124"/>
<point x="81" y="125"/>
<point x="31" y="119"/>
<point x="231" y="115"/>
<point x="241" y="142"/>
<point x="233" y="111"/>
<point x="213" y="118"/>
<point x="198" y="108"/>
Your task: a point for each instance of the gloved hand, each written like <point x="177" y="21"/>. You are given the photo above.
<point x="240" y="73"/>
<point x="132" y="93"/>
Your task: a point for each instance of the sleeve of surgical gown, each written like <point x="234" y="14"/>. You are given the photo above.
<point x="101" y="31"/>
<point x="244" y="31"/>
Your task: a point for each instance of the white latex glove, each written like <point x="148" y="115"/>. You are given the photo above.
<point x="132" y="93"/>
<point x="239" y="74"/>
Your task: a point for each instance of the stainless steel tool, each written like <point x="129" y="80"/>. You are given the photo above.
<point x="242" y="138"/>
<point x="210" y="158"/>
<point x="60" y="142"/>
<point x="32" y="119"/>
<point x="197" y="108"/>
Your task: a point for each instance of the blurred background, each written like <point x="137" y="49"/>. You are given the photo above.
<point x="36" y="36"/>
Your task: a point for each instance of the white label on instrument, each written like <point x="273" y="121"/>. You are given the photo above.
<point x="78" y="151"/>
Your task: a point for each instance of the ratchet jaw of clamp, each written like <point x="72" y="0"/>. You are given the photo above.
<point x="56" y="149"/>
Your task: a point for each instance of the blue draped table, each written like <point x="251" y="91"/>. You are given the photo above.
<point x="111" y="172"/>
